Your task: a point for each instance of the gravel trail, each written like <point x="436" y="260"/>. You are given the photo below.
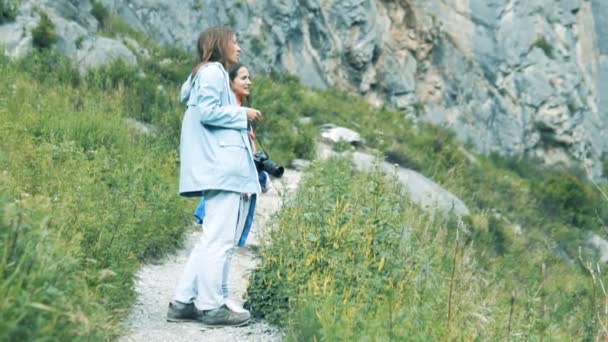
<point x="155" y="284"/>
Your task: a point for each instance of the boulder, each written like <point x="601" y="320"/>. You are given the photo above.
<point x="334" y="134"/>
<point x="421" y="190"/>
<point x="601" y="245"/>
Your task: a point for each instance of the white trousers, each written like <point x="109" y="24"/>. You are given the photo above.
<point x="205" y="278"/>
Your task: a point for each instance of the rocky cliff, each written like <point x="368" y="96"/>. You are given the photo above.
<point x="520" y="77"/>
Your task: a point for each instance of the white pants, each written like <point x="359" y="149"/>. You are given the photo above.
<point x="205" y="278"/>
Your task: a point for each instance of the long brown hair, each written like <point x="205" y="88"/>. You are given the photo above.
<point x="212" y="45"/>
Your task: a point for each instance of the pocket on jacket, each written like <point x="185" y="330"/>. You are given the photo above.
<point x="233" y="159"/>
<point x="228" y="137"/>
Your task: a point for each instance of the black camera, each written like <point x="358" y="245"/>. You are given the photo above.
<point x="262" y="163"/>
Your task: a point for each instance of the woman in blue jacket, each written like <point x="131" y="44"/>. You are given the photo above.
<point x="216" y="162"/>
<point x="240" y="83"/>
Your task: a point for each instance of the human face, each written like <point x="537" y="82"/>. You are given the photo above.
<point x="233" y="50"/>
<point x="241" y="83"/>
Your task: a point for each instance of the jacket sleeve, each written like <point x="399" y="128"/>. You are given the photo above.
<point x="208" y="90"/>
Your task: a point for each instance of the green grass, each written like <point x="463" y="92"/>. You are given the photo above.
<point x="351" y="259"/>
<point x="84" y="201"/>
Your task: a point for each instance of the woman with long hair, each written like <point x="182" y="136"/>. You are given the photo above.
<point x="216" y="161"/>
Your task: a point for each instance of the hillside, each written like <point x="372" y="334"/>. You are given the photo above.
<point x="88" y="194"/>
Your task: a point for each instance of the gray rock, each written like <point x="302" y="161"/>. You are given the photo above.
<point x="76" y="31"/>
<point x="305" y="120"/>
<point x="421" y="190"/>
<point x="141" y="127"/>
<point x="600" y="18"/>
<point x="100" y="51"/>
<point x="429" y="195"/>
<point x="299" y="164"/>
<point x="334" y="134"/>
<point x="601" y="245"/>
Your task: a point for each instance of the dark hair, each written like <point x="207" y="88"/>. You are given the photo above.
<point x="232" y="73"/>
<point x="234" y="70"/>
<point x="211" y="46"/>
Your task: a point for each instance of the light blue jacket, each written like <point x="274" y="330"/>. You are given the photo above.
<point x="215" y="150"/>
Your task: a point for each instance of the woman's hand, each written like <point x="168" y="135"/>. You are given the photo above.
<point x="253" y="114"/>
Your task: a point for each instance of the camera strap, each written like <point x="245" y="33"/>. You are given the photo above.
<point x="258" y="141"/>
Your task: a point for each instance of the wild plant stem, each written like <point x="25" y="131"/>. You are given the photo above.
<point x="511" y="314"/>
<point x="452" y="276"/>
<point x="605" y="334"/>
<point x="542" y="300"/>
<point x="594" y="183"/>
<point x="390" y="316"/>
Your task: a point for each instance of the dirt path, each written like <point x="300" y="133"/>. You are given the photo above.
<point x="155" y="285"/>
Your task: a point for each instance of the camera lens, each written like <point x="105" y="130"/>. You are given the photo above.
<point x="273" y="169"/>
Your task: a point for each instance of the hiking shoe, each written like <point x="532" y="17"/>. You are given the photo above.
<point x="224" y="317"/>
<point x="181" y="312"/>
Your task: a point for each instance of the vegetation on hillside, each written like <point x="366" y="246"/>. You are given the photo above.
<point x="85" y="198"/>
<point x="528" y="230"/>
<point x="350" y="258"/>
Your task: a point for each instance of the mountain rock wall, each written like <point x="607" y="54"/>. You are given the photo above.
<point x="518" y="77"/>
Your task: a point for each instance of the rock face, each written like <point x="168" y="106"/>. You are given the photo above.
<point x="519" y="77"/>
<point x="76" y="31"/>
<point x="511" y="76"/>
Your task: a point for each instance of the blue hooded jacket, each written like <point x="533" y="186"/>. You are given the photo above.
<point x="215" y="150"/>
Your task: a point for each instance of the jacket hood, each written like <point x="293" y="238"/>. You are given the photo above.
<point x="186" y="89"/>
<point x="189" y="84"/>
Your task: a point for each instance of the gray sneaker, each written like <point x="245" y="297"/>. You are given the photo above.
<point x="181" y="312"/>
<point x="224" y="317"/>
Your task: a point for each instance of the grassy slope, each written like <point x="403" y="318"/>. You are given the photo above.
<point x="351" y="259"/>
<point x="526" y="227"/>
<point x="84" y="201"/>
<point x="94" y="200"/>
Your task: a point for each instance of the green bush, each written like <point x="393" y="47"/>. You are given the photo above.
<point x="100" y="13"/>
<point x="544" y="45"/>
<point x="49" y="67"/>
<point x="569" y="200"/>
<point x="280" y="132"/>
<point x="143" y="94"/>
<point x="257" y="47"/>
<point x="44" y="35"/>
<point x="514" y="186"/>
<point x="8" y="10"/>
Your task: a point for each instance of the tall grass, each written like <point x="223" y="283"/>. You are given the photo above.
<point x="84" y="201"/>
<point x="351" y="259"/>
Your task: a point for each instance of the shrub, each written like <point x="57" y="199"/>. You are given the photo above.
<point x="143" y="98"/>
<point x="257" y="47"/>
<point x="101" y="13"/>
<point x="569" y="200"/>
<point x="43" y="35"/>
<point x="8" y="10"/>
<point x="50" y="67"/>
<point x="544" y="45"/>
